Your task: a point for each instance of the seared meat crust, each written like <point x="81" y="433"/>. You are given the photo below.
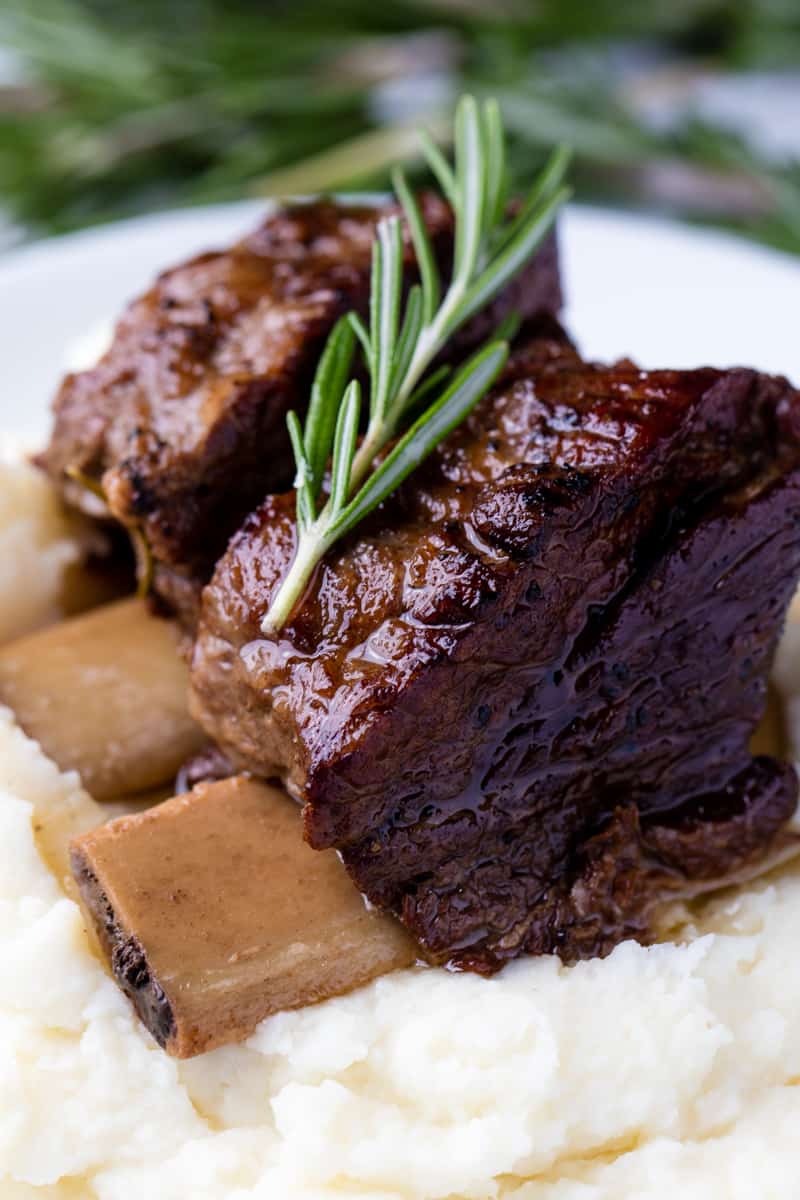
<point x="518" y="700"/>
<point x="182" y="422"/>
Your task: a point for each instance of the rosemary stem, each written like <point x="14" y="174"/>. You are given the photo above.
<point x="311" y="547"/>
<point x="373" y="442"/>
<point x="431" y="340"/>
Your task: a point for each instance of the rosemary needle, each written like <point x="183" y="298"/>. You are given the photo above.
<point x="403" y="341"/>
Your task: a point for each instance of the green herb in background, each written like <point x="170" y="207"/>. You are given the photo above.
<point x="402" y="342"/>
<point x="124" y="108"/>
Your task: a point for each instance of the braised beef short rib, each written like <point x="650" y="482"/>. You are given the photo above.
<point x="183" y="421"/>
<point x="518" y="700"/>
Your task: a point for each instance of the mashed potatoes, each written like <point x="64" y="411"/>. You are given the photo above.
<point x="661" y="1072"/>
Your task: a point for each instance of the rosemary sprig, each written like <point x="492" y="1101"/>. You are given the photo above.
<point x="403" y="342"/>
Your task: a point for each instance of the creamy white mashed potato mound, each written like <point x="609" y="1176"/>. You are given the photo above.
<point x="654" y="1073"/>
<point x="36" y="545"/>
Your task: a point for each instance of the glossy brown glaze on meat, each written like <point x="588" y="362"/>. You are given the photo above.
<point x="519" y="699"/>
<point x="183" y="422"/>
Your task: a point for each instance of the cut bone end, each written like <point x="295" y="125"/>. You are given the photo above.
<point x="215" y="914"/>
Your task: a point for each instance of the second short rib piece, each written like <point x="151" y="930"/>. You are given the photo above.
<point x="183" y="421"/>
<point x="519" y="699"/>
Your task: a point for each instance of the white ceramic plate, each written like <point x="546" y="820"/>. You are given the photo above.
<point x="659" y="292"/>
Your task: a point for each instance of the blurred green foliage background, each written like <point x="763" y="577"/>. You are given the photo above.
<point x="111" y="108"/>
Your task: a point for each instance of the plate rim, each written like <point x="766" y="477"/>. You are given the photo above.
<point x="29" y="254"/>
